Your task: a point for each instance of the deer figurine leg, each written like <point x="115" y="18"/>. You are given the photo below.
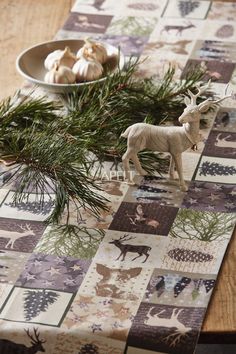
<point x="172" y="168"/>
<point x="179" y="168"/>
<point x="137" y="165"/>
<point x="125" y="159"/>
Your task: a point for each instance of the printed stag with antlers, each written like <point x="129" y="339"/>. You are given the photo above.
<point x="174" y="140"/>
<point x="125" y="248"/>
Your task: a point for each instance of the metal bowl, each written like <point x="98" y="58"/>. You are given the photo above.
<point x="30" y="63"/>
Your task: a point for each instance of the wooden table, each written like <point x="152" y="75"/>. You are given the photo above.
<point x="26" y="22"/>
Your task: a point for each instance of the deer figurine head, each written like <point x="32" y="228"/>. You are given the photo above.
<point x="193" y="111"/>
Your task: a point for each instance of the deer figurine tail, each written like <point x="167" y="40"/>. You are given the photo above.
<point x="126" y="133"/>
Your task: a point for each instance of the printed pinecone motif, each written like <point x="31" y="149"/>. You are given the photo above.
<point x="186" y="7"/>
<point x="186" y="255"/>
<point x="142" y="6"/>
<point x="216" y="169"/>
<point x="89" y="349"/>
<point x="225" y="31"/>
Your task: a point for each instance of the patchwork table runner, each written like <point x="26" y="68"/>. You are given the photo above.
<point x="143" y="286"/>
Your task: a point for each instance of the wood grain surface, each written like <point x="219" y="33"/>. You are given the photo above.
<point x="24" y="23"/>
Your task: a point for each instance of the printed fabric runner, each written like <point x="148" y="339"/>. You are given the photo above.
<point x="143" y="287"/>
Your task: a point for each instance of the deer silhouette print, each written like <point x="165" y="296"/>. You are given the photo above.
<point x="142" y="250"/>
<point x="15" y="235"/>
<point x="9" y="347"/>
<point x="172" y="322"/>
<point x="178" y="28"/>
<point x="224" y="143"/>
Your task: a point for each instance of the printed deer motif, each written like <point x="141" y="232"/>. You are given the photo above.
<point x="112" y="281"/>
<point x="125" y="248"/>
<point x="178" y="28"/>
<point x="174" y="140"/>
<point x="140" y="218"/>
<point x="172" y="322"/>
<point x="15" y="235"/>
<point x="9" y="347"/>
<point x="178" y="47"/>
<point x="222" y="142"/>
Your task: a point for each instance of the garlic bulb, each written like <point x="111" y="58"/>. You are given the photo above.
<point x="66" y="57"/>
<point x="87" y="69"/>
<point x="60" y="74"/>
<point x="93" y="50"/>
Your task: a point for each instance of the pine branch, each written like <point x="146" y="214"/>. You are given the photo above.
<point x="57" y="150"/>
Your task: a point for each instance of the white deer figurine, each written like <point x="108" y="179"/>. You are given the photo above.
<point x="15" y="235"/>
<point x="174" y="140"/>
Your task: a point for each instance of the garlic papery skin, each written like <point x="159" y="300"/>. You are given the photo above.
<point x="66" y="57"/>
<point x="93" y="50"/>
<point x="60" y="74"/>
<point x="87" y="70"/>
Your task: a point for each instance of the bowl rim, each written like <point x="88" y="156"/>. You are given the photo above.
<point x="121" y="64"/>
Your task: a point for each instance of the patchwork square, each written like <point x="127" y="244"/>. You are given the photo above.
<point x="206" y="226"/>
<point x="216" y="169"/>
<point x="122" y="282"/>
<point x="144" y="218"/>
<point x="221" y="144"/>
<point x="194" y="256"/>
<point x="162" y="327"/>
<point x="219" y="31"/>
<point x="153" y="189"/>
<point x="131" y="26"/>
<point x="220" y="51"/>
<point x="76" y="242"/>
<point x="222" y="11"/>
<point x="221" y="72"/>
<point x="187" y="9"/>
<point x="11" y="265"/>
<point x="177" y="30"/>
<point x="184" y="289"/>
<point x="105" y="317"/>
<point x="20" y="235"/>
<point x="119" y="248"/>
<point x="82" y="22"/>
<point x="29" y="208"/>
<point x="129" y="45"/>
<point x="211" y="197"/>
<point x="60" y="273"/>
<point x="36" y="306"/>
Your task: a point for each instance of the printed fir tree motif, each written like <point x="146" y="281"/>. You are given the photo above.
<point x="33" y="207"/>
<point x="37" y="301"/>
<point x="216" y="169"/>
<point x="89" y="349"/>
<point x="187" y="255"/>
<point x="186" y="7"/>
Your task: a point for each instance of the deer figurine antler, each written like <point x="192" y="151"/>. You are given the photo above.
<point x="174" y="140"/>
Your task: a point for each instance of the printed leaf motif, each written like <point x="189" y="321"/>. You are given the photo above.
<point x="186" y="7"/>
<point x="37" y="301"/>
<point x="216" y="169"/>
<point x="181" y="285"/>
<point x="187" y="255"/>
<point x="225" y="31"/>
<point x="195" y="294"/>
<point x="143" y="6"/>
